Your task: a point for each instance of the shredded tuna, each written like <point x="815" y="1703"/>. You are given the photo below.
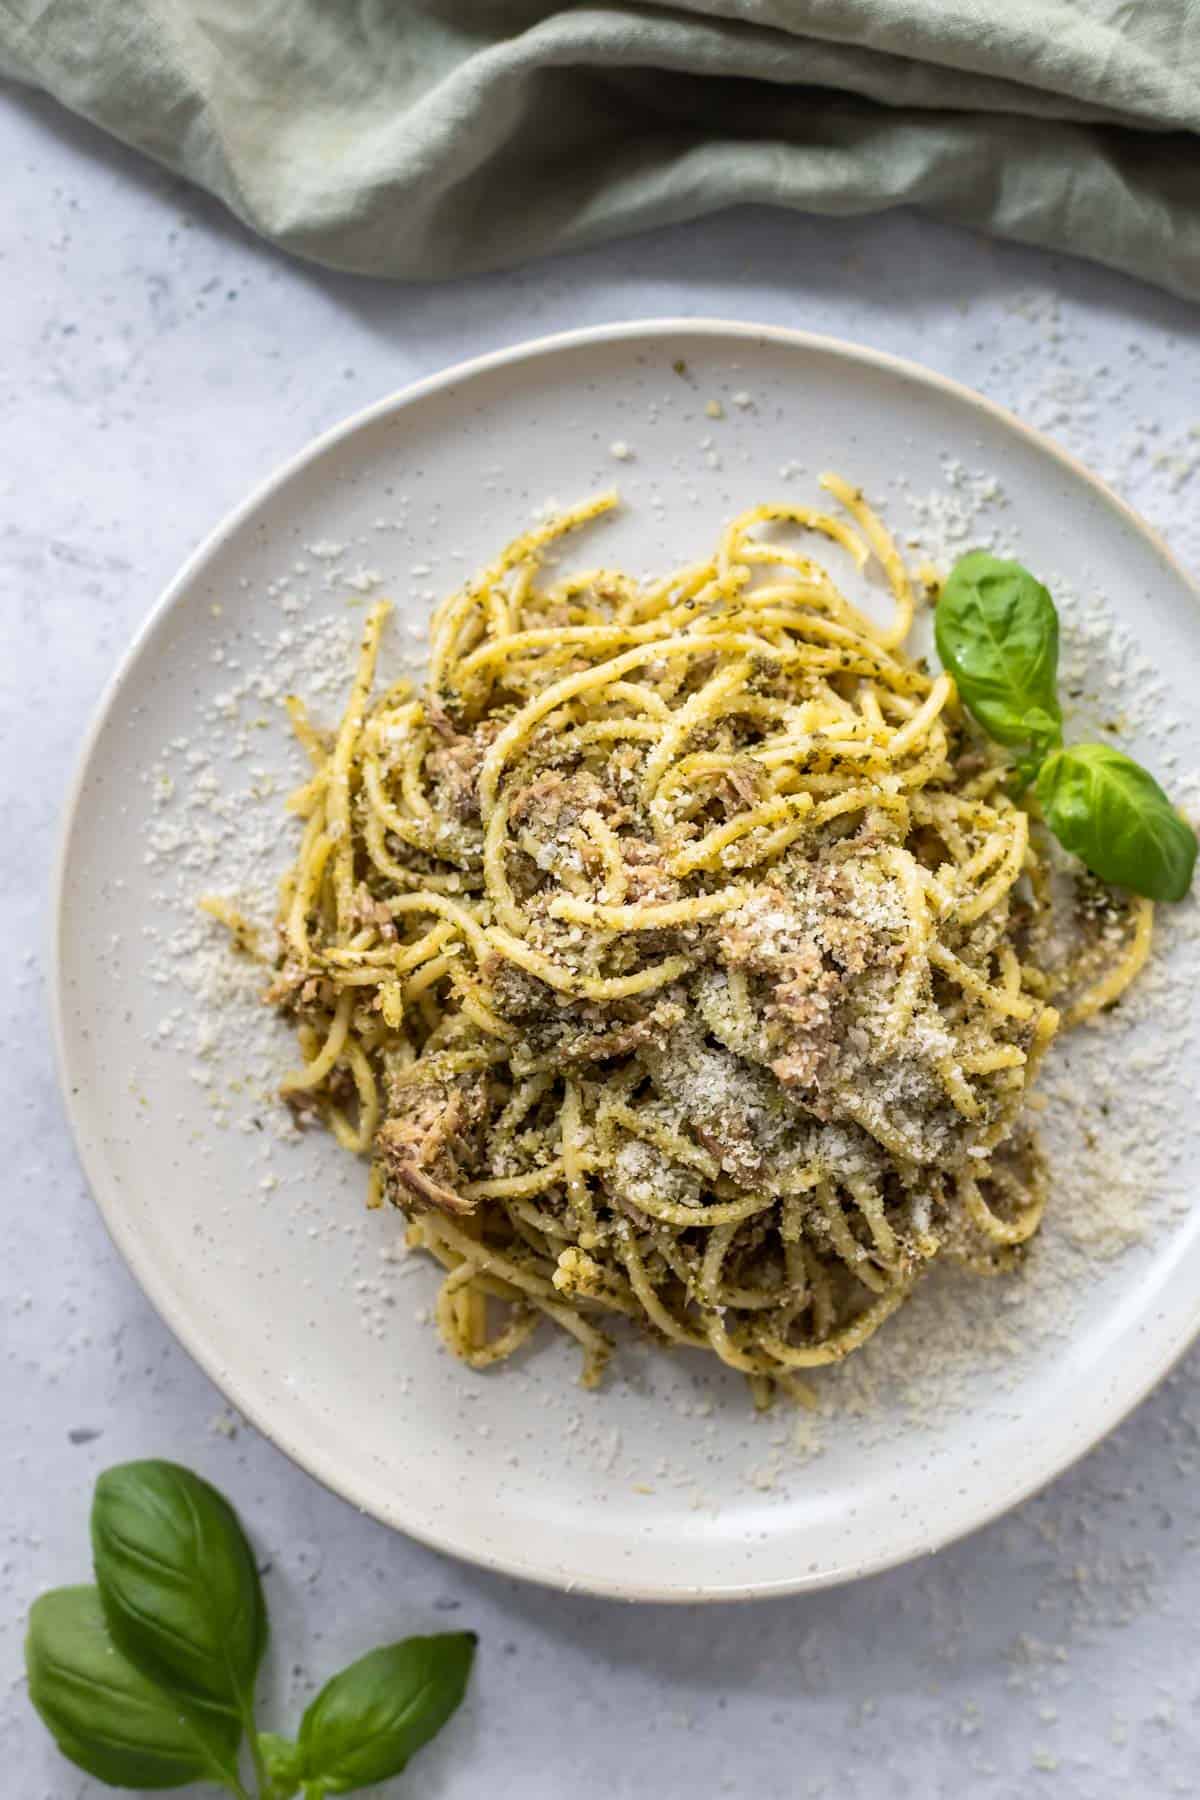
<point x="428" y="1142"/>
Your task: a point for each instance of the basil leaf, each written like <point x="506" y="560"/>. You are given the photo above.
<point x="180" y="1590"/>
<point x="283" y="1764"/>
<point x="368" y="1721"/>
<point x="1114" y="816"/>
<point x="997" y="634"/>
<point x="103" y="1713"/>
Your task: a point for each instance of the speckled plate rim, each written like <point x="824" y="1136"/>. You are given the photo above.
<point x="1163" y="1336"/>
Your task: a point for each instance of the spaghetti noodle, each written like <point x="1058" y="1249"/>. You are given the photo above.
<point x="675" y="953"/>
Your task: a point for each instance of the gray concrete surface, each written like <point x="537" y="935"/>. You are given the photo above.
<point x="154" y="362"/>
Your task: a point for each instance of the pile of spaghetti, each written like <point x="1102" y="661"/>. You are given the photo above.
<point x="675" y="953"/>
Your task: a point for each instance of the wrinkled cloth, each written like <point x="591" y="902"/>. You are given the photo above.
<point x="439" y="137"/>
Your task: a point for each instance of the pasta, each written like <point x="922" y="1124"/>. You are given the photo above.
<point x="677" y="953"/>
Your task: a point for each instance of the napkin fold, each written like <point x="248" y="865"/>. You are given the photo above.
<point x="427" y="138"/>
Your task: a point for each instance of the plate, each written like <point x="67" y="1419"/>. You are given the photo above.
<point x="258" y="1252"/>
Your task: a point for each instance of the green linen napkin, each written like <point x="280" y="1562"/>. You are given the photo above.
<point x="436" y="137"/>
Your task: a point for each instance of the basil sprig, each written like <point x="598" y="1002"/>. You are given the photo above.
<point x="996" y="628"/>
<point x="147" y="1679"/>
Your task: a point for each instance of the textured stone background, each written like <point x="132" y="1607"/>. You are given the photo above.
<point x="154" y="362"/>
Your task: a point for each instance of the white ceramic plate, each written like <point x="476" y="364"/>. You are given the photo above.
<point x="259" y="1255"/>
